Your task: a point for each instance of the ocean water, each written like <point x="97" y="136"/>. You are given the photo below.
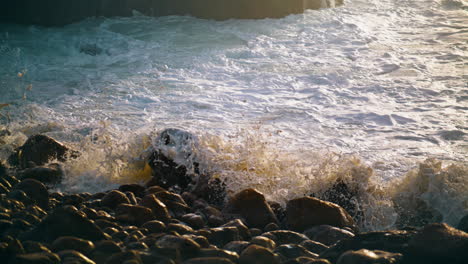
<point x="374" y="93"/>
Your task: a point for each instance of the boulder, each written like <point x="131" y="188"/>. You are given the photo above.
<point x="51" y="174"/>
<point x="40" y="149"/>
<point x="439" y="243"/>
<point x="114" y="198"/>
<point x="365" y="256"/>
<point x="251" y="206"/>
<point x="159" y="209"/>
<point x="154" y="226"/>
<point x="255" y="254"/>
<point x="327" y="235"/>
<point x="133" y="214"/>
<point x="292" y="251"/>
<point x="72" y="243"/>
<point x="306" y="212"/>
<point x="219" y="253"/>
<point x="36" y="258"/>
<point x="208" y="260"/>
<point x="285" y="237"/>
<point x="264" y="242"/>
<point x="73" y="256"/>
<point x="220" y="236"/>
<point x="65" y="221"/>
<point x="36" y="191"/>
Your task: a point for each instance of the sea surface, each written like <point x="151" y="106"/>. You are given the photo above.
<point x="373" y="92"/>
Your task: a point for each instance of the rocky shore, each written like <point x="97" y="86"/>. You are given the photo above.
<point x="181" y="217"/>
<point x="63" y="12"/>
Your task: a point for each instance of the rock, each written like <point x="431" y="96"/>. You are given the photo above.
<point x="194" y="220"/>
<point x="463" y="224"/>
<point x="72" y="243"/>
<point x="36" y="191"/>
<point x="50" y="174"/>
<point x="114" y="198"/>
<point x="285" y="237"/>
<point x="252" y="206"/>
<point x="303" y="213"/>
<point x="154" y="226"/>
<point x="36" y="258"/>
<point x="208" y="260"/>
<point x="271" y="227"/>
<point x="185" y="246"/>
<point x="255" y="254"/>
<point x="244" y="231"/>
<point x="219" y="253"/>
<point x="314" y="246"/>
<point x="133" y="214"/>
<point x="21" y="196"/>
<point x="130" y="256"/>
<point x="326" y="234"/>
<point x="439" y="243"/>
<point x="291" y="251"/>
<point x="73" y="256"/>
<point x="136" y="189"/>
<point x="220" y="236"/>
<point x="40" y="149"/>
<point x="236" y="246"/>
<point x="179" y="228"/>
<point x="159" y="209"/>
<point x="365" y="256"/>
<point x="59" y="223"/>
<point x="104" y="249"/>
<point x="345" y="196"/>
<point x="264" y="242"/>
<point x="392" y="241"/>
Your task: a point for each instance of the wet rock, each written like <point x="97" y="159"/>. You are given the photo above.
<point x="463" y="224"/>
<point x="251" y="206"/>
<point x="255" y="254"/>
<point x="364" y="256"/>
<point x="327" y="235"/>
<point x="306" y="212"/>
<point x="50" y="174"/>
<point x="345" y="196"/>
<point x="130" y="256"/>
<point x="36" y="191"/>
<point x="183" y="245"/>
<point x="27" y="216"/>
<point x="72" y="243"/>
<point x="36" y="258"/>
<point x="133" y="214"/>
<point x="291" y="251"/>
<point x="159" y="208"/>
<point x="40" y="149"/>
<point x="439" y="243"/>
<point x="194" y="220"/>
<point x="236" y="246"/>
<point x="208" y="260"/>
<point x="314" y="246"/>
<point x="114" y="198"/>
<point x="136" y="189"/>
<point x="103" y="223"/>
<point x="219" y="253"/>
<point x="131" y="197"/>
<point x="141" y="246"/>
<point x="35" y="247"/>
<point x="317" y="261"/>
<point x="271" y="227"/>
<point x="154" y="226"/>
<point x="59" y="223"/>
<point x="392" y="241"/>
<point x="220" y="236"/>
<point x="255" y="231"/>
<point x="104" y="249"/>
<point x="264" y="242"/>
<point x="73" y="256"/>
<point x="285" y="237"/>
<point x="179" y="228"/>
<point x="244" y="231"/>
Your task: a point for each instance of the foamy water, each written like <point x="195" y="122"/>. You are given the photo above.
<point x="366" y="91"/>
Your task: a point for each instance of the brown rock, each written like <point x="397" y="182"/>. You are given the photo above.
<point x="72" y="243"/>
<point x="219" y="253"/>
<point x="303" y="213"/>
<point x="264" y="242"/>
<point x="133" y="214"/>
<point x="244" y="231"/>
<point x="327" y="235"/>
<point x="285" y="237"/>
<point x="50" y="174"/>
<point x="208" y="260"/>
<point x="154" y="226"/>
<point x="314" y="246"/>
<point x="220" y="236"/>
<point x="159" y="208"/>
<point x="113" y="198"/>
<point x="132" y="256"/>
<point x="193" y="220"/>
<point x="36" y="258"/>
<point x="73" y="256"/>
<point x="252" y="206"/>
<point x="365" y="256"/>
<point x="255" y="254"/>
<point x="36" y="191"/>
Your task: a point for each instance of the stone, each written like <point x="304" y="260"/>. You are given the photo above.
<point x="392" y="241"/>
<point x="133" y="214"/>
<point x="236" y="246"/>
<point x="326" y="234"/>
<point x="264" y="242"/>
<point x="439" y="243"/>
<point x="59" y="223"/>
<point x="463" y="224"/>
<point x="271" y="227"/>
<point x="220" y="236"/>
<point x="292" y="251"/>
<point x="50" y="174"/>
<point x="72" y="243"/>
<point x="36" y="191"/>
<point x="184" y="245"/>
<point x="154" y="226"/>
<point x="244" y="231"/>
<point x="208" y="260"/>
<point x="122" y="257"/>
<point x="255" y="254"/>
<point x="285" y="237"/>
<point x="114" y="198"/>
<point x="159" y="208"/>
<point x="194" y="220"/>
<point x="306" y="212"/>
<point x="365" y="256"/>
<point x="40" y="149"/>
<point x="136" y="189"/>
<point x="345" y="196"/>
<point x="179" y="228"/>
<point x="73" y="256"/>
<point x="104" y="249"/>
<point x="36" y="258"/>
<point x="35" y="247"/>
<point x="251" y="206"/>
<point x="314" y="246"/>
<point x="219" y="253"/>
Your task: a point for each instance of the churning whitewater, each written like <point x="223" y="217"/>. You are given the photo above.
<point x="364" y="92"/>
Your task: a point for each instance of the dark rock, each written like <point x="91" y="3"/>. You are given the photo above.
<point x="244" y="231"/>
<point x="102" y="223"/>
<point x="264" y="242"/>
<point x="179" y="228"/>
<point x="182" y="245"/>
<point x="317" y="261"/>
<point x="201" y="240"/>
<point x="133" y="214"/>
<point x="120" y="235"/>
<point x="59" y="223"/>
<point x="104" y="249"/>
<point x="72" y="243"/>
<point x="73" y="199"/>
<point x="220" y="236"/>
<point x="345" y="196"/>
<point x="392" y="241"/>
<point x="364" y="256"/>
<point x="194" y="220"/>
<point x="439" y="243"/>
<point x="255" y="231"/>
<point x="291" y="251"/>
<point x="154" y="226"/>
<point x="136" y="189"/>
<point x="463" y="224"/>
<point x="285" y="237"/>
<point x="131" y="197"/>
<point x="36" y="258"/>
<point x="50" y="174"/>
<point x="132" y="256"/>
<point x="35" y="247"/>
<point x="73" y="256"/>
<point x="219" y="253"/>
<point x="114" y="198"/>
<point x="159" y="209"/>
<point x="326" y="234"/>
<point x="255" y="254"/>
<point x="137" y="246"/>
<point x="27" y="216"/>
<point x="271" y="227"/>
<point x="236" y="246"/>
<point x="303" y="213"/>
<point x="252" y="206"/>
<point x="36" y="191"/>
<point x="314" y="246"/>
<point x="208" y="260"/>
<point x="40" y="149"/>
